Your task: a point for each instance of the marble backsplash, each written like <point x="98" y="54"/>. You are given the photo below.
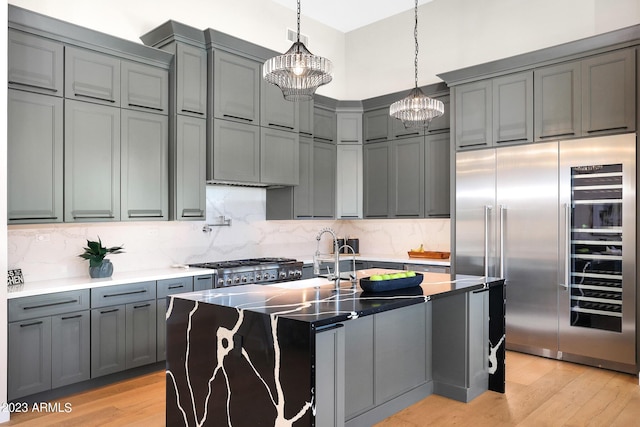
<point x="50" y="251"/>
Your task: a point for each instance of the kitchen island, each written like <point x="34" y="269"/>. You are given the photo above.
<point x="306" y="353"/>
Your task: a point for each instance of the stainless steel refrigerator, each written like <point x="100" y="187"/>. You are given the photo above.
<point x="557" y="220"/>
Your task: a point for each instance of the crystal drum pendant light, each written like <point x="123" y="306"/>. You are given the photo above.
<point x="298" y="72"/>
<point x="416" y="110"/>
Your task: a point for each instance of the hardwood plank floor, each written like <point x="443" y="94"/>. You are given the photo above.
<point x="540" y="392"/>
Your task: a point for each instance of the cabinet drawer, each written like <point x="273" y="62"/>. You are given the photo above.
<point x="201" y="283"/>
<point x="174" y="286"/>
<point x="48" y="305"/>
<point x="122" y="294"/>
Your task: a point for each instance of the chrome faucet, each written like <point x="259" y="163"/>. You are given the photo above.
<point x="353" y="275"/>
<point x="336" y="249"/>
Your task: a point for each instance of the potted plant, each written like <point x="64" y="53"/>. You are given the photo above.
<point x="99" y="266"/>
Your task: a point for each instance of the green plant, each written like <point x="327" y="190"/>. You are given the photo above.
<point x="95" y="252"/>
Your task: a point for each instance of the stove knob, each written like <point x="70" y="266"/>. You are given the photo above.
<point x="283" y="275"/>
<point x="236" y="280"/>
<point x="292" y="273"/>
<point x="258" y="277"/>
<point x="220" y="282"/>
<point x="298" y="273"/>
<point x="244" y="279"/>
<point x="229" y="281"/>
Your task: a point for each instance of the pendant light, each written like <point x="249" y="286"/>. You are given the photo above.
<point x="298" y="72"/>
<point x="416" y="110"/>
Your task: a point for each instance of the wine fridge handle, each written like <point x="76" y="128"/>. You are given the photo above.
<point x="567" y="246"/>
<point x="502" y="208"/>
<point x="487" y="209"/>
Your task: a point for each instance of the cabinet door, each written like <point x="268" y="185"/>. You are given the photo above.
<point x="376" y="170"/>
<point x="349" y="128"/>
<point x="34" y="158"/>
<point x="161" y="329"/>
<point x="324" y="180"/>
<point x="279" y="157"/>
<point x="400" y="338"/>
<point x="91" y="76"/>
<point x="358" y="366"/>
<point x="306" y="117"/>
<point x="108" y="330"/>
<point x="437" y="175"/>
<point x="275" y="111"/>
<point x="330" y="377"/>
<point x="35" y="64"/>
<point x="29" y="358"/>
<point x="407" y="177"/>
<point x="236" y="88"/>
<point x="608" y="93"/>
<point x="324" y="125"/>
<point x="473" y="114"/>
<point x="236" y="152"/>
<point x="91" y="162"/>
<point x="70" y="348"/>
<point x="349" y="180"/>
<point x="202" y="283"/>
<point x="398" y="130"/>
<point x="189" y="185"/>
<point x="513" y="109"/>
<point x="557" y="101"/>
<point x="140" y="334"/>
<point x="145" y="88"/>
<point x="191" y="80"/>
<point x="375" y="125"/>
<point x="442" y="123"/>
<point x="145" y="164"/>
<point x="303" y="192"/>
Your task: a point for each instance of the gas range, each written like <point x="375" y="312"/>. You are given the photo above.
<point x="254" y="271"/>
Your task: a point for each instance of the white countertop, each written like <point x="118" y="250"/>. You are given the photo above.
<point x="387" y="258"/>
<point x="86" y="282"/>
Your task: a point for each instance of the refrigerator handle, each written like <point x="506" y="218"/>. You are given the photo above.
<point x="502" y="208"/>
<point x="567" y="246"/>
<point x="487" y="209"/>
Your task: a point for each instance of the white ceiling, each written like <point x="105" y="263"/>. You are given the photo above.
<point x="348" y="15"/>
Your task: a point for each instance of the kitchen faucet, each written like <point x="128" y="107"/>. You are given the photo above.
<point x="336" y="249"/>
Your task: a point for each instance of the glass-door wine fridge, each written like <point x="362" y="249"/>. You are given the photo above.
<point x="597" y="300"/>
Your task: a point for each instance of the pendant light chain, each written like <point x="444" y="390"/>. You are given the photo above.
<point x="298" y="21"/>
<point x="415" y="36"/>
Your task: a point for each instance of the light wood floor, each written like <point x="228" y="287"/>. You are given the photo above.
<point x="540" y="392"/>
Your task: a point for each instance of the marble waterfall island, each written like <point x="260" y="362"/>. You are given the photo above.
<point x="304" y="353"/>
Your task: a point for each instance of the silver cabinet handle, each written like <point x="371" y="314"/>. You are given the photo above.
<point x="502" y="208"/>
<point x="487" y="209"/>
<point x="567" y="246"/>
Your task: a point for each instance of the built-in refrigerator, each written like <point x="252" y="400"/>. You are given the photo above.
<point x="556" y="220"/>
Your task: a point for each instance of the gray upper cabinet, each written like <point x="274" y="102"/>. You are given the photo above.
<point x="92" y="76"/>
<point x="236" y="88"/>
<point x="557" y="101"/>
<point x="349" y="181"/>
<point x="236" y="152"/>
<point x="303" y="192"/>
<point x="407" y="178"/>
<point x="324" y="124"/>
<point x="144" y="170"/>
<point x="191" y="80"/>
<point x="145" y="88"/>
<point x="437" y="175"/>
<point x="376" y="171"/>
<point x="188" y="176"/>
<point x="349" y="127"/>
<point x="398" y="130"/>
<point x="306" y="117"/>
<point x="442" y="123"/>
<point x="609" y="93"/>
<point x="34" y="158"/>
<point x="473" y="108"/>
<point x="279" y="154"/>
<point x="513" y="109"/>
<point x="276" y="112"/>
<point x="35" y="64"/>
<point x="375" y="125"/>
<point x="92" y="162"/>
<point x="324" y="180"/>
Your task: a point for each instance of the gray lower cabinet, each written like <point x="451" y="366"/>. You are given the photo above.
<point x="279" y="157"/>
<point x="330" y="377"/>
<point x="235" y="155"/>
<point x="34" y="158"/>
<point x="27" y="53"/>
<point x="145" y="88"/>
<point x="123" y="327"/>
<point x="513" y="109"/>
<point x="48" y="342"/>
<point x="359" y="366"/>
<point x="165" y="288"/>
<point x="437" y="175"/>
<point x="191" y="80"/>
<point x="202" y="283"/>
<point x="92" y="76"/>
<point x="187" y="187"/>
<point x="91" y="162"/>
<point x="145" y="166"/>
